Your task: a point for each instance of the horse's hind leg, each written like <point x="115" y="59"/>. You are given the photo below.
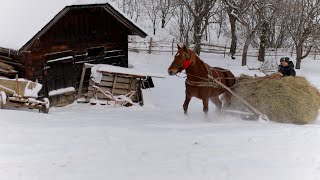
<point x="186" y="104"/>
<point x="227" y="100"/>
<point x="217" y="102"/>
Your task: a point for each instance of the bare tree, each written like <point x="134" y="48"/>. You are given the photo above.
<point x="152" y="10"/>
<point x="200" y="12"/>
<point x="182" y="22"/>
<point x="252" y="21"/>
<point x="167" y="8"/>
<point x="132" y="8"/>
<point x="235" y="9"/>
<point x="302" y="21"/>
<point x="266" y="15"/>
<point x="278" y="34"/>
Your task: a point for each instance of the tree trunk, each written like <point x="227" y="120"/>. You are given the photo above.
<point x="245" y="52"/>
<point x="181" y="26"/>
<point x="262" y="52"/>
<point x="299" y="55"/>
<point x="245" y="49"/>
<point x="154" y="27"/>
<point x="233" y="47"/>
<point x="163" y="23"/>
<point x="263" y="42"/>
<point x="197" y="35"/>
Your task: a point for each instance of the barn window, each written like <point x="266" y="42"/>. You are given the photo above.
<point x="95" y="51"/>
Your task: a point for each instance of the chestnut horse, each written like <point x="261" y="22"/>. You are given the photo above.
<point x="200" y="79"/>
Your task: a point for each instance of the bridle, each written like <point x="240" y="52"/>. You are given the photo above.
<point x="185" y="64"/>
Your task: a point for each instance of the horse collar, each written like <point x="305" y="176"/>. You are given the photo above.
<point x="186" y="64"/>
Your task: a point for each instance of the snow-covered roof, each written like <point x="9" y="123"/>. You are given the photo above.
<point x="22" y="20"/>
<point x="98" y="69"/>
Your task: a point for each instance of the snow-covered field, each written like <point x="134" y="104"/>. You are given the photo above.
<point x="157" y="141"/>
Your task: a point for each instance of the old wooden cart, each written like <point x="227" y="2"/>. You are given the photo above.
<point x="115" y="80"/>
<point x="21" y="93"/>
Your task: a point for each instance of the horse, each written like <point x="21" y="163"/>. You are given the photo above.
<point x="200" y="82"/>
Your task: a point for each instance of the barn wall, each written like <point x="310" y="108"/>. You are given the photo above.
<point x="91" y="34"/>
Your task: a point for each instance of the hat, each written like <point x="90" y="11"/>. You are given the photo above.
<point x="286" y="59"/>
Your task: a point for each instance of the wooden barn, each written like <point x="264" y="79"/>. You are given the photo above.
<point x="50" y="40"/>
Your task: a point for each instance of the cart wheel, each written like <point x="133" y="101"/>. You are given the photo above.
<point x="3" y="99"/>
<point x="45" y="109"/>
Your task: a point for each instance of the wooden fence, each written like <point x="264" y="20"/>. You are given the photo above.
<point x="151" y="46"/>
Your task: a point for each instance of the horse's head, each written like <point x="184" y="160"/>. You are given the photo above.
<point x="181" y="61"/>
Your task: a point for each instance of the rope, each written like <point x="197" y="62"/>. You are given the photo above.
<point x="180" y="76"/>
<point x="203" y="84"/>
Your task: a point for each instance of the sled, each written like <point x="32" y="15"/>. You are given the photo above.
<point x="21" y="93"/>
<point x="252" y="113"/>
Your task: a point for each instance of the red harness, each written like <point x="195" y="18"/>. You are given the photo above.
<point x="186" y="64"/>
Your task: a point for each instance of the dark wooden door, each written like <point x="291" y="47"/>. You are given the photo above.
<point x="60" y="70"/>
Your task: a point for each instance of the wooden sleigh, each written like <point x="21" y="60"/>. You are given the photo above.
<point x="122" y="100"/>
<point x="21" y="93"/>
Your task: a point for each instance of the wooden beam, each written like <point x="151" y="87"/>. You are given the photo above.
<point x="114" y="84"/>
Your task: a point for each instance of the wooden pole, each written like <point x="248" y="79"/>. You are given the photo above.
<point x="85" y="67"/>
<point x="114" y="84"/>
<point x="17" y="85"/>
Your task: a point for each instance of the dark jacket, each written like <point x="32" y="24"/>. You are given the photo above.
<point x="287" y="70"/>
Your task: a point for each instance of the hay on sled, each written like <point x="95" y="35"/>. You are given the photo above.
<point x="285" y="99"/>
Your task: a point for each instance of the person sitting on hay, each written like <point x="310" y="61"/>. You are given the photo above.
<point x="286" y="67"/>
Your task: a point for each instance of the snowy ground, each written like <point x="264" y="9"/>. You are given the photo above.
<point x="157" y="141"/>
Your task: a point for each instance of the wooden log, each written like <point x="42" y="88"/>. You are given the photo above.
<point x="5" y="66"/>
<point x="10" y="62"/>
<point x="8" y="72"/>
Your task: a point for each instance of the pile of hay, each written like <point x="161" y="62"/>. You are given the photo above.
<point x="285" y="99"/>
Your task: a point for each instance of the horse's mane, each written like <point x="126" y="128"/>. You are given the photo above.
<point x="197" y="58"/>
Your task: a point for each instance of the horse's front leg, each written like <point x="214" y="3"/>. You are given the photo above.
<point x="205" y="102"/>
<point x="186" y="104"/>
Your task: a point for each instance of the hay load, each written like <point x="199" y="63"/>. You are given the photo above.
<point x="285" y="100"/>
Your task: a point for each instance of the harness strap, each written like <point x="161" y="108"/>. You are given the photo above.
<point x="203" y="84"/>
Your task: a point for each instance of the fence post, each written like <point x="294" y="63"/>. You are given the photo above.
<point x="225" y="49"/>
<point x="172" y="46"/>
<point x="150" y="45"/>
<point x="315" y="53"/>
